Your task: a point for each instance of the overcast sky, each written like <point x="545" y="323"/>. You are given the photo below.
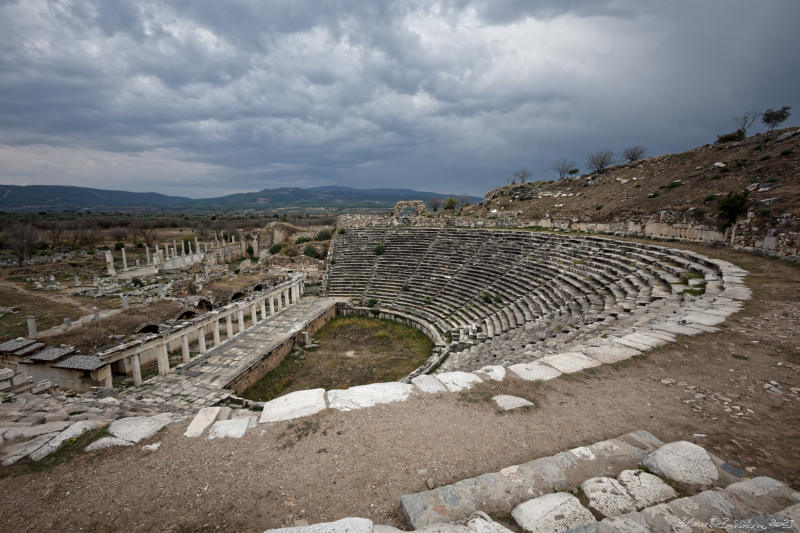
<point x="205" y="98"/>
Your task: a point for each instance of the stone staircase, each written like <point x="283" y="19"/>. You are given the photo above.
<point x="504" y="297"/>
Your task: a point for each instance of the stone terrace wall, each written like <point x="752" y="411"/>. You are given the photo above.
<point x="779" y="241"/>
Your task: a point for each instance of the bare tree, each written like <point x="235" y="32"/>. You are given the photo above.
<point x="745" y="120"/>
<point x="563" y="166"/>
<point x="522" y="175"/>
<point x="463" y="201"/>
<point x="436" y="203"/>
<point x="600" y="160"/>
<point x="22" y="237"/>
<point x="57" y="230"/>
<point x="634" y="153"/>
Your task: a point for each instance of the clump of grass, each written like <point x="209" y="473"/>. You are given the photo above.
<point x="740" y="356"/>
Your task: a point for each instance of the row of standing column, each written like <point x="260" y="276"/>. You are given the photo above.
<point x="277" y="302"/>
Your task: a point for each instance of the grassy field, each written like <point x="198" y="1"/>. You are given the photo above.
<point x="352" y="351"/>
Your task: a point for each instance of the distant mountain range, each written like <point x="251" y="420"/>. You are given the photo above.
<point x="66" y="198"/>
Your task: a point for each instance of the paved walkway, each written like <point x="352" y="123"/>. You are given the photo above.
<point x="202" y="381"/>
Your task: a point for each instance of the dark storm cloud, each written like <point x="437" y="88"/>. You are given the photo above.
<point x="204" y="98"/>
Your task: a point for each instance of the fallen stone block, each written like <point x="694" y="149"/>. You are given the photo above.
<point x="345" y="525"/>
<point x="569" y="362"/>
<point x="204" y="418"/>
<point x="363" y="396"/>
<point x="72" y="432"/>
<point x="458" y="381"/>
<point x="764" y="494"/>
<point x="684" y="462"/>
<point x="136" y="428"/>
<point x="493" y="372"/>
<point x="645" y="489"/>
<point x="608" y="496"/>
<point x="28" y="432"/>
<point x="107" y="442"/>
<point x="428" y="384"/>
<point x="533" y="371"/>
<point x="558" y="511"/>
<point x="234" y="428"/>
<point x="507" y="402"/>
<point x="15" y="452"/>
<point x="293" y="405"/>
<point x="611" y="353"/>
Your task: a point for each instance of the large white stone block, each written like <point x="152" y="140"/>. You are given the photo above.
<point x="533" y="371"/>
<point x="363" y="396"/>
<point x="136" y="428"/>
<point x="684" y="462"/>
<point x="458" y="381"/>
<point x="293" y="405"/>
<point x="558" y="511"/>
<point x="204" y="418"/>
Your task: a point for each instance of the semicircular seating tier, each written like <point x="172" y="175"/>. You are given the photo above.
<point x="510" y="296"/>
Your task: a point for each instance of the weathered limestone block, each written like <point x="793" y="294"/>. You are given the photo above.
<point x="204" y="418"/>
<point x="569" y="362"/>
<point x="507" y="402"/>
<point x="428" y="384"/>
<point x="294" y="405"/>
<point x="533" y="371"/>
<point x="363" y="396"/>
<point x="645" y="489"/>
<point x="28" y="432"/>
<point x="136" y="428"/>
<point x="458" y="381"/>
<point x="107" y="442"/>
<point x="684" y="462"/>
<point x="608" y="496"/>
<point x="552" y="512"/>
<point x="345" y="525"/>
<point x="234" y="428"/>
<point x="72" y="432"/>
<point x="15" y="452"/>
<point x="764" y="494"/>
<point x="493" y="372"/>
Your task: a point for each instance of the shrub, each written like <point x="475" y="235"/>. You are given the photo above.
<point x="497" y="298"/>
<point x="250" y="251"/>
<point x="574" y="171"/>
<point x="119" y="246"/>
<point x="732" y="206"/>
<point x="676" y="183"/>
<point x="598" y="207"/>
<point x="310" y="251"/>
<point x="737" y="135"/>
<point x="404" y="288"/>
<point x="372" y="302"/>
<point x="301" y="240"/>
<point x="292" y="252"/>
<point x="773" y="118"/>
<point x="599" y="161"/>
<point x="486" y="297"/>
<point x="275" y="249"/>
<point x="450" y="203"/>
<point x="379" y="249"/>
<point x="323" y="235"/>
<point x="765" y="157"/>
<point x="772" y="180"/>
<point x="699" y="212"/>
<point x="765" y="212"/>
<point x="787" y="152"/>
<point x="342" y="231"/>
<point x="653" y="194"/>
<point x="710" y="198"/>
<point x="136" y="282"/>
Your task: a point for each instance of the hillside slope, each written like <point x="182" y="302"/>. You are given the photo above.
<point x="687" y="184"/>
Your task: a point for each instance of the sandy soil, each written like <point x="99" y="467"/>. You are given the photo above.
<point x="360" y="463"/>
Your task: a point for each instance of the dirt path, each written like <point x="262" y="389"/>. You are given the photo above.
<point x="360" y="463"/>
<point x="57" y="297"/>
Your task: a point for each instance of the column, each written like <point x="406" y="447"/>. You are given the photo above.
<point x="174" y="248"/>
<point x="124" y="260"/>
<point x="263" y="309"/>
<point x="216" y="332"/>
<point x="271" y="299"/>
<point x="185" y="348"/>
<point x="253" y="314"/>
<point x="147" y="253"/>
<point x="196" y="245"/>
<point x="302" y="287"/>
<point x="229" y="325"/>
<point x="163" y="358"/>
<point x="201" y="339"/>
<point x="110" y="264"/>
<point x="31" y="320"/>
<point x="241" y="320"/>
<point x="183" y="247"/>
<point x="280" y="300"/>
<point x="135" y="364"/>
